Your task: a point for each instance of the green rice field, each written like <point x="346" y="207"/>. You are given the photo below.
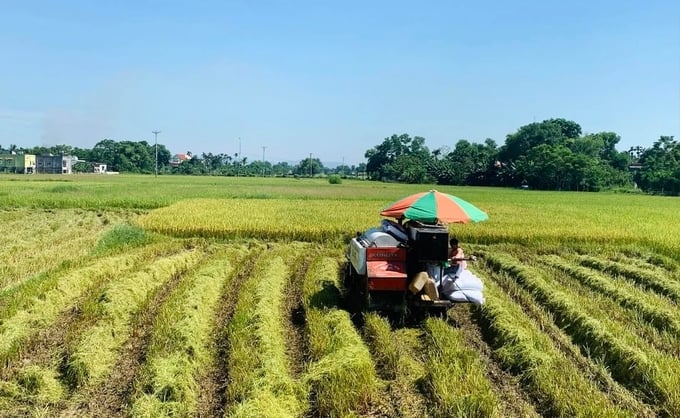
<point x="177" y="296"/>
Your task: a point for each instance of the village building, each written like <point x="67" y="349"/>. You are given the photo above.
<point x="55" y="164"/>
<point x="17" y="163"/>
<point x="177" y="159"/>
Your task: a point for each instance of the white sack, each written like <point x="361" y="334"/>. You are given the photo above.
<point x="462" y="287"/>
<point x="472" y="296"/>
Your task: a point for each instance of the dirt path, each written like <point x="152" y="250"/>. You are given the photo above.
<point x="294" y="313"/>
<point x="401" y="395"/>
<point x="212" y="397"/>
<point x="112" y="397"/>
<point x="513" y="401"/>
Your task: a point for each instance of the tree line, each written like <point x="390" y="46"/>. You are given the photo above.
<point x="550" y="155"/>
<point x="140" y="157"/>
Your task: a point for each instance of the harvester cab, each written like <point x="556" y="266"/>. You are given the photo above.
<point x="385" y="266"/>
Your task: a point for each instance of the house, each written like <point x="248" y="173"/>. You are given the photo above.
<point x="99" y="168"/>
<point x="55" y="164"/>
<point x="177" y="159"/>
<point x="17" y="163"/>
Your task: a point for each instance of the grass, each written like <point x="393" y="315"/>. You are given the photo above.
<point x="384" y="347"/>
<point x="122" y="238"/>
<point x="399" y="358"/>
<point x="591" y="370"/>
<point x="41" y="383"/>
<point x="277" y="219"/>
<point x="659" y="283"/>
<point x="656" y="310"/>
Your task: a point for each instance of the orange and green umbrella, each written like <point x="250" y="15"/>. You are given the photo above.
<point x="433" y="207"/>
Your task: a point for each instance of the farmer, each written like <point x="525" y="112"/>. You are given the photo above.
<point x="456" y="254"/>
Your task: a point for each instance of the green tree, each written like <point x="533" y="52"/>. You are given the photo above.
<point x="53" y="150"/>
<point x="557" y="167"/>
<point x="343" y="170"/>
<point x="309" y="167"/>
<point x="602" y="145"/>
<point x="129" y="156"/>
<point x="104" y="152"/>
<point x="83" y="154"/>
<point x="282" y="169"/>
<point x="408" y="169"/>
<point x="468" y="163"/>
<point x="82" y="167"/>
<point x="259" y="168"/>
<point x="544" y="166"/>
<point x="549" y="132"/>
<point x="217" y="163"/>
<point x="660" y="170"/>
<point x="382" y="159"/>
<point x="192" y="166"/>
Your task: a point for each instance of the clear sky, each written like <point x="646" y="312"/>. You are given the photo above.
<point x="333" y="78"/>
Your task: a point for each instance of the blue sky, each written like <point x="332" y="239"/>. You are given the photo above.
<point x="334" y="80"/>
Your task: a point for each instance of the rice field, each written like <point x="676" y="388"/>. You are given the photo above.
<point x="178" y="296"/>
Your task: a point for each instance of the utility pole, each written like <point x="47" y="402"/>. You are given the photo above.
<point x="343" y="166"/>
<point x="238" y="162"/>
<point x="263" y="169"/>
<point x="155" y="134"/>
<point x="311" y="170"/>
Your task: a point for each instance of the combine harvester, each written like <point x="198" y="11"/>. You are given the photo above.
<point x="404" y="268"/>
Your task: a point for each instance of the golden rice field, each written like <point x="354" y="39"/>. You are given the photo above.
<point x="141" y="297"/>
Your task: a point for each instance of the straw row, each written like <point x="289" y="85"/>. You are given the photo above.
<point x="341" y="377"/>
<point x="180" y="347"/>
<point x="37" y="305"/>
<point x="631" y="361"/>
<point x="92" y="357"/>
<point x="521" y="345"/>
<point x="399" y="357"/>
<point x="656" y="310"/>
<point x="260" y="382"/>
<point x="456" y="376"/>
<point x="653" y="280"/>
